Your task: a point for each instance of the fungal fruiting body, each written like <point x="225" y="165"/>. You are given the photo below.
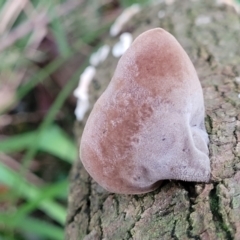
<point x="148" y="125"/>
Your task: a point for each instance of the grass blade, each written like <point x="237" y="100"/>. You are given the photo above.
<point x="31" y="193"/>
<point x="40" y="228"/>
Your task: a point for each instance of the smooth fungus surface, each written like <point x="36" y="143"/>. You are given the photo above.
<point x="148" y="125"/>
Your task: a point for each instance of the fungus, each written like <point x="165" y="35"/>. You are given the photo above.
<point x="100" y="55"/>
<point x="148" y="125"/>
<point x="125" y="16"/>
<point x="202" y="20"/>
<point x="124" y="43"/>
<point x="161" y="14"/>
<point x="81" y="92"/>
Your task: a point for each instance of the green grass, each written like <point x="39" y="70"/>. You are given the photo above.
<point x="26" y="200"/>
<point x="42" y="198"/>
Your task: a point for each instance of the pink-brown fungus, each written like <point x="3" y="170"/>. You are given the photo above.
<point x="148" y="125"/>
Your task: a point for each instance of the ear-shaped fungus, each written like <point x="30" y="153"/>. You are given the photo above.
<point x="149" y="123"/>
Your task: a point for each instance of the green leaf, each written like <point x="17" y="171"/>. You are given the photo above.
<point x="17" y="143"/>
<point x="55" y="141"/>
<point x="51" y="139"/>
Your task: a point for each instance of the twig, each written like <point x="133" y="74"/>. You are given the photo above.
<point x="39" y="21"/>
<point x="10" y="12"/>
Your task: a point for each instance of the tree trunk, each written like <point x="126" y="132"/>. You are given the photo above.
<point x="177" y="210"/>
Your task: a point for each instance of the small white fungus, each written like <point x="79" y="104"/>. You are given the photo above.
<point x="202" y="20"/>
<point x="124" y="43"/>
<point x="126" y="15"/>
<point x="161" y="14"/>
<point x="81" y="92"/>
<point x="100" y="55"/>
<point x="169" y="2"/>
<point x="237" y="79"/>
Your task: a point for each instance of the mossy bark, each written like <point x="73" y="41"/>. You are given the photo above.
<point x="178" y="210"/>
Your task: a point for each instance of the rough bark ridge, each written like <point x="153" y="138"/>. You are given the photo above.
<point x="178" y="210"/>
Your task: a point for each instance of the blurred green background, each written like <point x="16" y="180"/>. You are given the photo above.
<point x="44" y="47"/>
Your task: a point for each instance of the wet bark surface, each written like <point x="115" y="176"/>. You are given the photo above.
<point x="210" y="34"/>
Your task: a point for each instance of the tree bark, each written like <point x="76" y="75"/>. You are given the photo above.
<point x="177" y="210"/>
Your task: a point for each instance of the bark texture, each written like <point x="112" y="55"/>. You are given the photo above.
<point x="178" y="210"/>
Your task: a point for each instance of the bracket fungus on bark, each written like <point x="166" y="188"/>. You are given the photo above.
<point x="148" y="125"/>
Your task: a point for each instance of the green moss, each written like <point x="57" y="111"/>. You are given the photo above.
<point x="222" y="229"/>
